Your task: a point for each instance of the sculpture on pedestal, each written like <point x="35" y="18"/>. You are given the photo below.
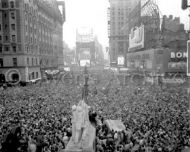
<point x="83" y="133"/>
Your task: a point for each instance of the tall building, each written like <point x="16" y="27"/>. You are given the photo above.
<point x="85" y="46"/>
<point x="118" y="25"/>
<point x="30" y="38"/>
<point x="88" y="49"/>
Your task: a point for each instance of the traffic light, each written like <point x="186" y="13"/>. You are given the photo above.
<point x="184" y="5"/>
<point x="188" y="58"/>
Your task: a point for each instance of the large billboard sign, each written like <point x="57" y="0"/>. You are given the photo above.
<point x="188" y="58"/>
<point x="84" y="63"/>
<point x="178" y="60"/>
<point x="120" y="60"/>
<point x="136" y="38"/>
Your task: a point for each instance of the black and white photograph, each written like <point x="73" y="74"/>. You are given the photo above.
<point x="94" y="75"/>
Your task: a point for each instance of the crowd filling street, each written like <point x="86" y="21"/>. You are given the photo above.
<point x="38" y="117"/>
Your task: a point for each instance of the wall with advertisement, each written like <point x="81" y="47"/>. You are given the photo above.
<point x="177" y="60"/>
<point x="136" y="38"/>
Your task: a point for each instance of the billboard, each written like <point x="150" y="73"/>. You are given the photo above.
<point x="136" y="38"/>
<point x="178" y="60"/>
<point x="188" y="58"/>
<point x="85" y="63"/>
<point x="120" y="60"/>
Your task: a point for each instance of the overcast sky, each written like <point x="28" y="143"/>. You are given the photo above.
<point x="93" y="13"/>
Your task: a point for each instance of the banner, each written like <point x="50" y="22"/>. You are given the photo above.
<point x="115" y="125"/>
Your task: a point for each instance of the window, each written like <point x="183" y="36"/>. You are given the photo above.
<point x="36" y="74"/>
<point x="32" y="75"/>
<point x="12" y="15"/>
<point x="25" y="6"/>
<point x="0" y="27"/>
<point x="14" y="61"/>
<point x="4" y="5"/>
<point x="0" y="38"/>
<point x="13" y="38"/>
<point x="6" y="38"/>
<point x="12" y="4"/>
<point x="27" y="61"/>
<point x="5" y="15"/>
<point x="6" y="48"/>
<point x="1" y="49"/>
<point x="13" y="27"/>
<point x="6" y="26"/>
<point x="1" y="62"/>
<point x="36" y="61"/>
<point x="14" y="48"/>
<point x="32" y="61"/>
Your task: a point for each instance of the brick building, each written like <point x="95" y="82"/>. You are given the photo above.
<point x="173" y="33"/>
<point x="30" y="38"/>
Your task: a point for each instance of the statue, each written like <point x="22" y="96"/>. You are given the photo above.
<point x="80" y="120"/>
<point x="83" y="133"/>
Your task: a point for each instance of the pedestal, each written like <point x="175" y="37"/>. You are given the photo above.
<point x="87" y="144"/>
<point x="188" y="85"/>
<point x="83" y="133"/>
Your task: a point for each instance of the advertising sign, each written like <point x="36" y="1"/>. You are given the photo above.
<point x="188" y="58"/>
<point x="136" y="38"/>
<point x="120" y="60"/>
<point x="85" y="63"/>
<point x="178" y="60"/>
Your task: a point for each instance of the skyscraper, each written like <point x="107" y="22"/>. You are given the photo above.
<point x="118" y="24"/>
<point x="30" y="38"/>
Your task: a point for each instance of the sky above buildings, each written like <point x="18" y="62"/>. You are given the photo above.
<point x="93" y="13"/>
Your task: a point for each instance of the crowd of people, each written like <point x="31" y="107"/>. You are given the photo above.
<point x="38" y="117"/>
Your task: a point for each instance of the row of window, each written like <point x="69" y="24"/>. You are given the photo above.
<point x="34" y="61"/>
<point x="31" y="49"/>
<point x="6" y="38"/>
<point x="33" y="75"/>
<point x="30" y="9"/>
<point x="5" y="4"/>
<point x="7" y="48"/>
<point x="14" y="61"/>
<point x="12" y="14"/>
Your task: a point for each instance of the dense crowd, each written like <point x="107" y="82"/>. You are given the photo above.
<point x="39" y="116"/>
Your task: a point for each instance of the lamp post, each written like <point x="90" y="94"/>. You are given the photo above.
<point x="85" y="88"/>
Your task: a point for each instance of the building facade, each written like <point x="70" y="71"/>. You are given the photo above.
<point x="30" y="38"/>
<point x="118" y="28"/>
<point x="156" y="46"/>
